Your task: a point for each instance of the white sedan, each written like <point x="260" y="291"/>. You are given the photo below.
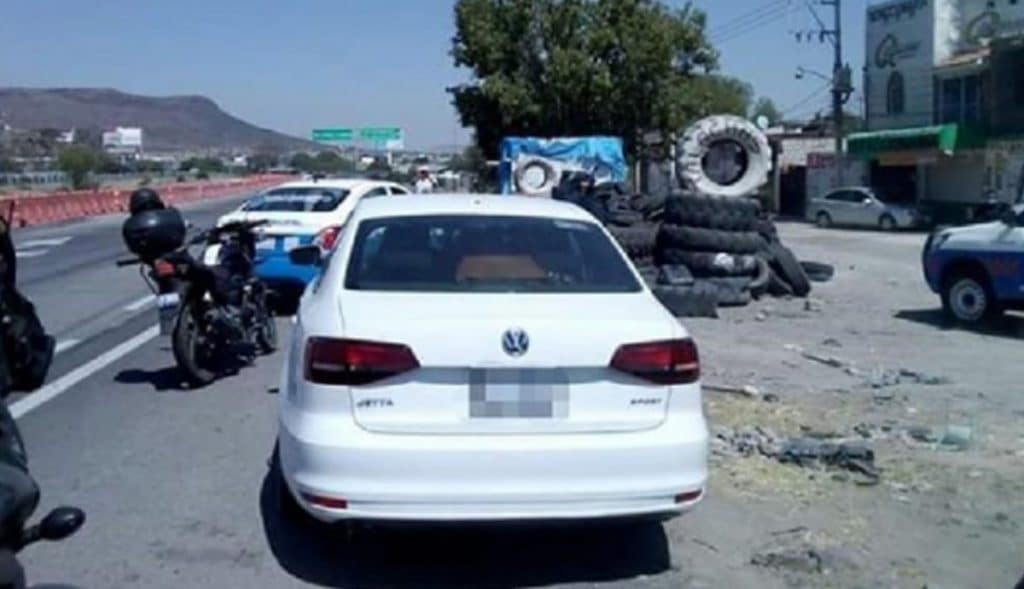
<point x="468" y="357"/>
<point x="300" y="213"/>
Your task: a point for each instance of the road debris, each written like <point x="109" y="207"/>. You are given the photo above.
<point x="852" y="456"/>
<point x="746" y="390"/>
<point x="830" y="361"/>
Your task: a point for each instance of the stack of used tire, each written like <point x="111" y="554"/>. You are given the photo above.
<point x="721" y="248"/>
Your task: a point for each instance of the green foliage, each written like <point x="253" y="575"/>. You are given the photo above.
<point x="150" y="166"/>
<point x="470" y="160"/>
<point x="766" y="107"/>
<point x="578" y="67"/>
<point x="77" y="162"/>
<point x="202" y="164"/>
<point x="9" y="166"/>
<point x="325" y="162"/>
<point x="262" y="161"/>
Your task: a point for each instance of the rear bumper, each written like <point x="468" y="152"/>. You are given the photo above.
<point x="279" y="273"/>
<point x="492" y="478"/>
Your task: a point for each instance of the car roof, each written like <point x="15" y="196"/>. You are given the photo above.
<point x="469" y="204"/>
<point x="339" y="183"/>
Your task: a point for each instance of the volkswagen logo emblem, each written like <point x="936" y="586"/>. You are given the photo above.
<point x="515" y="342"/>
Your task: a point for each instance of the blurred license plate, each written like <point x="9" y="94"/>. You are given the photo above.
<point x="167" y="311"/>
<point x="514" y="393"/>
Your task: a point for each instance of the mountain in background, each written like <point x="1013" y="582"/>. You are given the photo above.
<point x="171" y="123"/>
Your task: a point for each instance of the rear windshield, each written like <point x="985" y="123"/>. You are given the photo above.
<point x="486" y="254"/>
<point x="297" y="200"/>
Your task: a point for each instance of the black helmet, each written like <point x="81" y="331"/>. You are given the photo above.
<point x="144" y="199"/>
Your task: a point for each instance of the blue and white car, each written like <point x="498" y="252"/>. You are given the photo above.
<point x="297" y="214"/>
<point x="978" y="270"/>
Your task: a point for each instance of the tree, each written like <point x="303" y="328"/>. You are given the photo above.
<point x="77" y="162"/>
<point x="577" y="67"/>
<point x="715" y="94"/>
<point x="766" y="107"/>
<point x="9" y="166"/>
<point x="262" y="161"/>
<point x="470" y="160"/>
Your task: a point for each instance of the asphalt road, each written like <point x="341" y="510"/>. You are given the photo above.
<point x="175" y="481"/>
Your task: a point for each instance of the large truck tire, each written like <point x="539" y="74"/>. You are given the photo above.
<point x="637" y="241"/>
<point x="689" y="301"/>
<point x="789" y="269"/>
<point x="706" y="264"/>
<point x="696" y="239"/>
<point x="724" y="155"/>
<point x="711" y="212"/>
<point x="535" y="176"/>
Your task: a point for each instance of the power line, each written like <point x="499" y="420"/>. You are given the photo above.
<point x="815" y="94"/>
<point x="758" y="24"/>
<point x="747" y="18"/>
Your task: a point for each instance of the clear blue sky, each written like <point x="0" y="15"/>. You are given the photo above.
<point x="309" y="63"/>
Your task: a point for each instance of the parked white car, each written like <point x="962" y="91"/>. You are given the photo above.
<point x="301" y="213"/>
<point x="860" y="206"/>
<point x="468" y="357"/>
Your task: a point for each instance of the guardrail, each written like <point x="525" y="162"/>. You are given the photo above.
<point x="43" y="209"/>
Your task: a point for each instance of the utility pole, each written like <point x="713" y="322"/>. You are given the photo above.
<point x="842" y="78"/>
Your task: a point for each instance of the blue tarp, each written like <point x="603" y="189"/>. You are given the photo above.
<point x="592" y="154"/>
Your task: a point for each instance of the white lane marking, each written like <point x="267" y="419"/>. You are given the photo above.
<point x="29" y="253"/>
<point x="52" y="242"/>
<point x="81" y="373"/>
<point x="65" y="345"/>
<point x="139" y="304"/>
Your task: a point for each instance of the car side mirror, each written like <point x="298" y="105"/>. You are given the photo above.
<point x="1008" y="217"/>
<point x="307" y="255"/>
<point x="866" y="201"/>
<point x="61" y="523"/>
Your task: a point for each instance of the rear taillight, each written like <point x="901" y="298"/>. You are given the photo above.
<point x="163" y="269"/>
<point x="327" y="237"/>
<point x="355" y="362"/>
<point x="663" y="362"/>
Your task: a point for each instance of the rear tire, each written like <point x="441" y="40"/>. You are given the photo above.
<point x="823" y="220"/>
<point x="887" y="223"/>
<point x="266" y="331"/>
<point x="187" y="349"/>
<point x="968" y="299"/>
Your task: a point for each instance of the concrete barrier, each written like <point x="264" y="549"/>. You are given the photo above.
<point x="42" y="209"/>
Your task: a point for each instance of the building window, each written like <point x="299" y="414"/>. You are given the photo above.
<point x="894" y="94"/>
<point x="972" y="99"/>
<point x="951" y="91"/>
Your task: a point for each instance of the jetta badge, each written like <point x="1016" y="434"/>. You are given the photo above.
<point x="515" y="342"/>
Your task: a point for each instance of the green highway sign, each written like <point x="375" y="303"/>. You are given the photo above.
<point x="333" y="135"/>
<point x="380" y="134"/>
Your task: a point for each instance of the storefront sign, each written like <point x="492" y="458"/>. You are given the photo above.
<point x="991" y="25"/>
<point x="891" y="50"/>
<point x="906" y="158"/>
<point x="907" y="8"/>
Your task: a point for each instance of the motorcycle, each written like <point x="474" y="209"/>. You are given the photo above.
<point x="215" y="309"/>
<point x="26" y="352"/>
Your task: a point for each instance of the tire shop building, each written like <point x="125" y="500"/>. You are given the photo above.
<point x="944" y="103"/>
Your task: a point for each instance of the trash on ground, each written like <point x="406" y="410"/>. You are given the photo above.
<point x="745" y="390"/>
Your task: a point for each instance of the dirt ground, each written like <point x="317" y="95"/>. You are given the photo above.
<point x="946" y="434"/>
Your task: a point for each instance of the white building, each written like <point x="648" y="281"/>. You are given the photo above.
<point x="944" y="87"/>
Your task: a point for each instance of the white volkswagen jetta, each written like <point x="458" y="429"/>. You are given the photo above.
<point x="471" y="357"/>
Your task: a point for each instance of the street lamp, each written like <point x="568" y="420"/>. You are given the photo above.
<point x="802" y="71"/>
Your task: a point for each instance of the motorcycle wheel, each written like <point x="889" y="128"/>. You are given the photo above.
<point x="188" y="352"/>
<point x="266" y="329"/>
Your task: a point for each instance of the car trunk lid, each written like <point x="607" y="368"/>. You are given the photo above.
<point x="508" y="363"/>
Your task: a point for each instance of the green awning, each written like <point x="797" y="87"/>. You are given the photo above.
<point x="945" y="138"/>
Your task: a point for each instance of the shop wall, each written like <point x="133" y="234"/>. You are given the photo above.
<point x="822" y="177"/>
<point x="957" y="179"/>
<point x="1004" y="175"/>
<point x="900" y="55"/>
